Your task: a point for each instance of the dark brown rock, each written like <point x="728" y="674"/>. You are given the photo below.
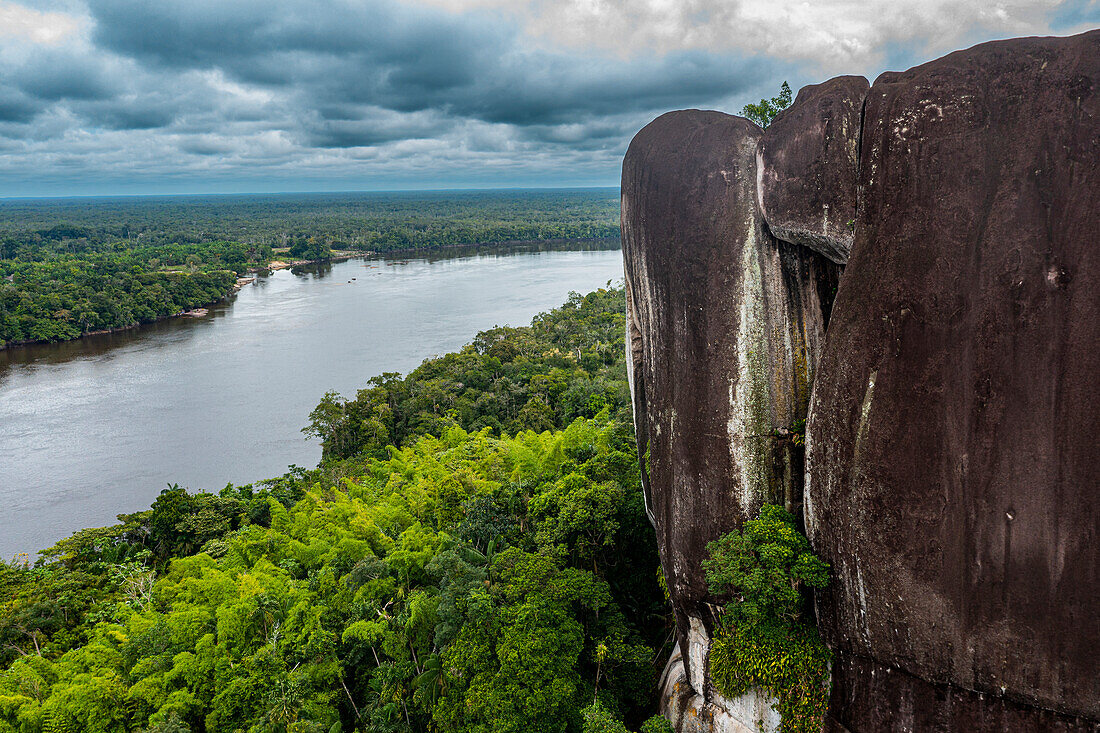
<point x="725" y="325"/>
<point x="953" y="471"/>
<point x="902" y="702"/>
<point x="807" y="163"/>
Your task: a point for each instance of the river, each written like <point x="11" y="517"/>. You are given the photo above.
<point x="98" y="426"/>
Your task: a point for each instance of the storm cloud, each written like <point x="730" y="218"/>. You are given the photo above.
<point x="200" y="95"/>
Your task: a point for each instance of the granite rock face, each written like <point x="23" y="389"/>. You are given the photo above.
<point x="807" y="165"/>
<point x="952" y="477"/>
<point x="952" y="462"/>
<point x="725" y="325"/>
<point x="868" y="696"/>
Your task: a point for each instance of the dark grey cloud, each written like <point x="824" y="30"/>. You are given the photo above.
<point x="135" y="115"/>
<point x="406" y="59"/>
<point x="593" y="135"/>
<point x="287" y="41"/>
<point x="211" y="32"/>
<point x="555" y="89"/>
<point x="206" y="146"/>
<point x="15" y="106"/>
<point x="372" y="127"/>
<point x="290" y="94"/>
<point x="56" y="74"/>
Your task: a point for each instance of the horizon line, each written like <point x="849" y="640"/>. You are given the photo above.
<point x="225" y="194"/>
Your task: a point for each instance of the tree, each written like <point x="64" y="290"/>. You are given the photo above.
<point x="326" y="420"/>
<point x="311" y="249"/>
<point x="765" y="567"/>
<point x="764" y="112"/>
<point x="171" y="507"/>
<point x="598" y="719"/>
<point x="172" y="723"/>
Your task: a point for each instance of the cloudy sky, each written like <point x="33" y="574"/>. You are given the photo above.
<point x="174" y="96"/>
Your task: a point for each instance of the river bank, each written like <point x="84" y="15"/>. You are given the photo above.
<point x="93" y="427"/>
<point x="191" y="312"/>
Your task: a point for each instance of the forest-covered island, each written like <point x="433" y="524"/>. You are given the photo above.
<point x="70" y="267"/>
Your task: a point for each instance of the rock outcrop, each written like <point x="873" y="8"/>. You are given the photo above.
<point x="954" y="483"/>
<point x="806" y="167"/>
<point x="726" y="324"/>
<point x="951" y="477"/>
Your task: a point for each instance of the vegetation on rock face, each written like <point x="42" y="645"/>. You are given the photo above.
<point x="469" y="580"/>
<point x="656" y="724"/>
<point x="765" y="638"/>
<point x="763" y="112"/>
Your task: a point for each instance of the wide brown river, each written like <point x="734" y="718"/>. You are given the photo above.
<point x="96" y="427"/>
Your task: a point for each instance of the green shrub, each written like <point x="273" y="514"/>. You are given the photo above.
<point x="656" y="724"/>
<point x="764" y="640"/>
<point x="598" y="719"/>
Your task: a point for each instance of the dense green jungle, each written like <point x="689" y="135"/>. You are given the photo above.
<point x="472" y="554"/>
<point x="74" y="266"/>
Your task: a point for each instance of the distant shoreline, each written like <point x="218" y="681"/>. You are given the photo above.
<point x="276" y="265"/>
<point x="499" y="243"/>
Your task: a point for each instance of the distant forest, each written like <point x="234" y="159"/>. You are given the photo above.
<point x="73" y="266"/>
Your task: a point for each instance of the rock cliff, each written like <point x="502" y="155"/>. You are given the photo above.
<point x="726" y="326"/>
<point x="949" y="464"/>
<point x="954" y="482"/>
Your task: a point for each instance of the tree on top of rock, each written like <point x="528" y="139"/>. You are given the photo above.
<point x="764" y="112"/>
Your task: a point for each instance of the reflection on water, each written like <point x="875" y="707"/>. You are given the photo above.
<point x="95" y="427"/>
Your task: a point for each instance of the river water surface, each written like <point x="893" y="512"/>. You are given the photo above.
<point x="97" y="427"/>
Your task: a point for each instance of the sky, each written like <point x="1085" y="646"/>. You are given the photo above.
<point x="106" y="97"/>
